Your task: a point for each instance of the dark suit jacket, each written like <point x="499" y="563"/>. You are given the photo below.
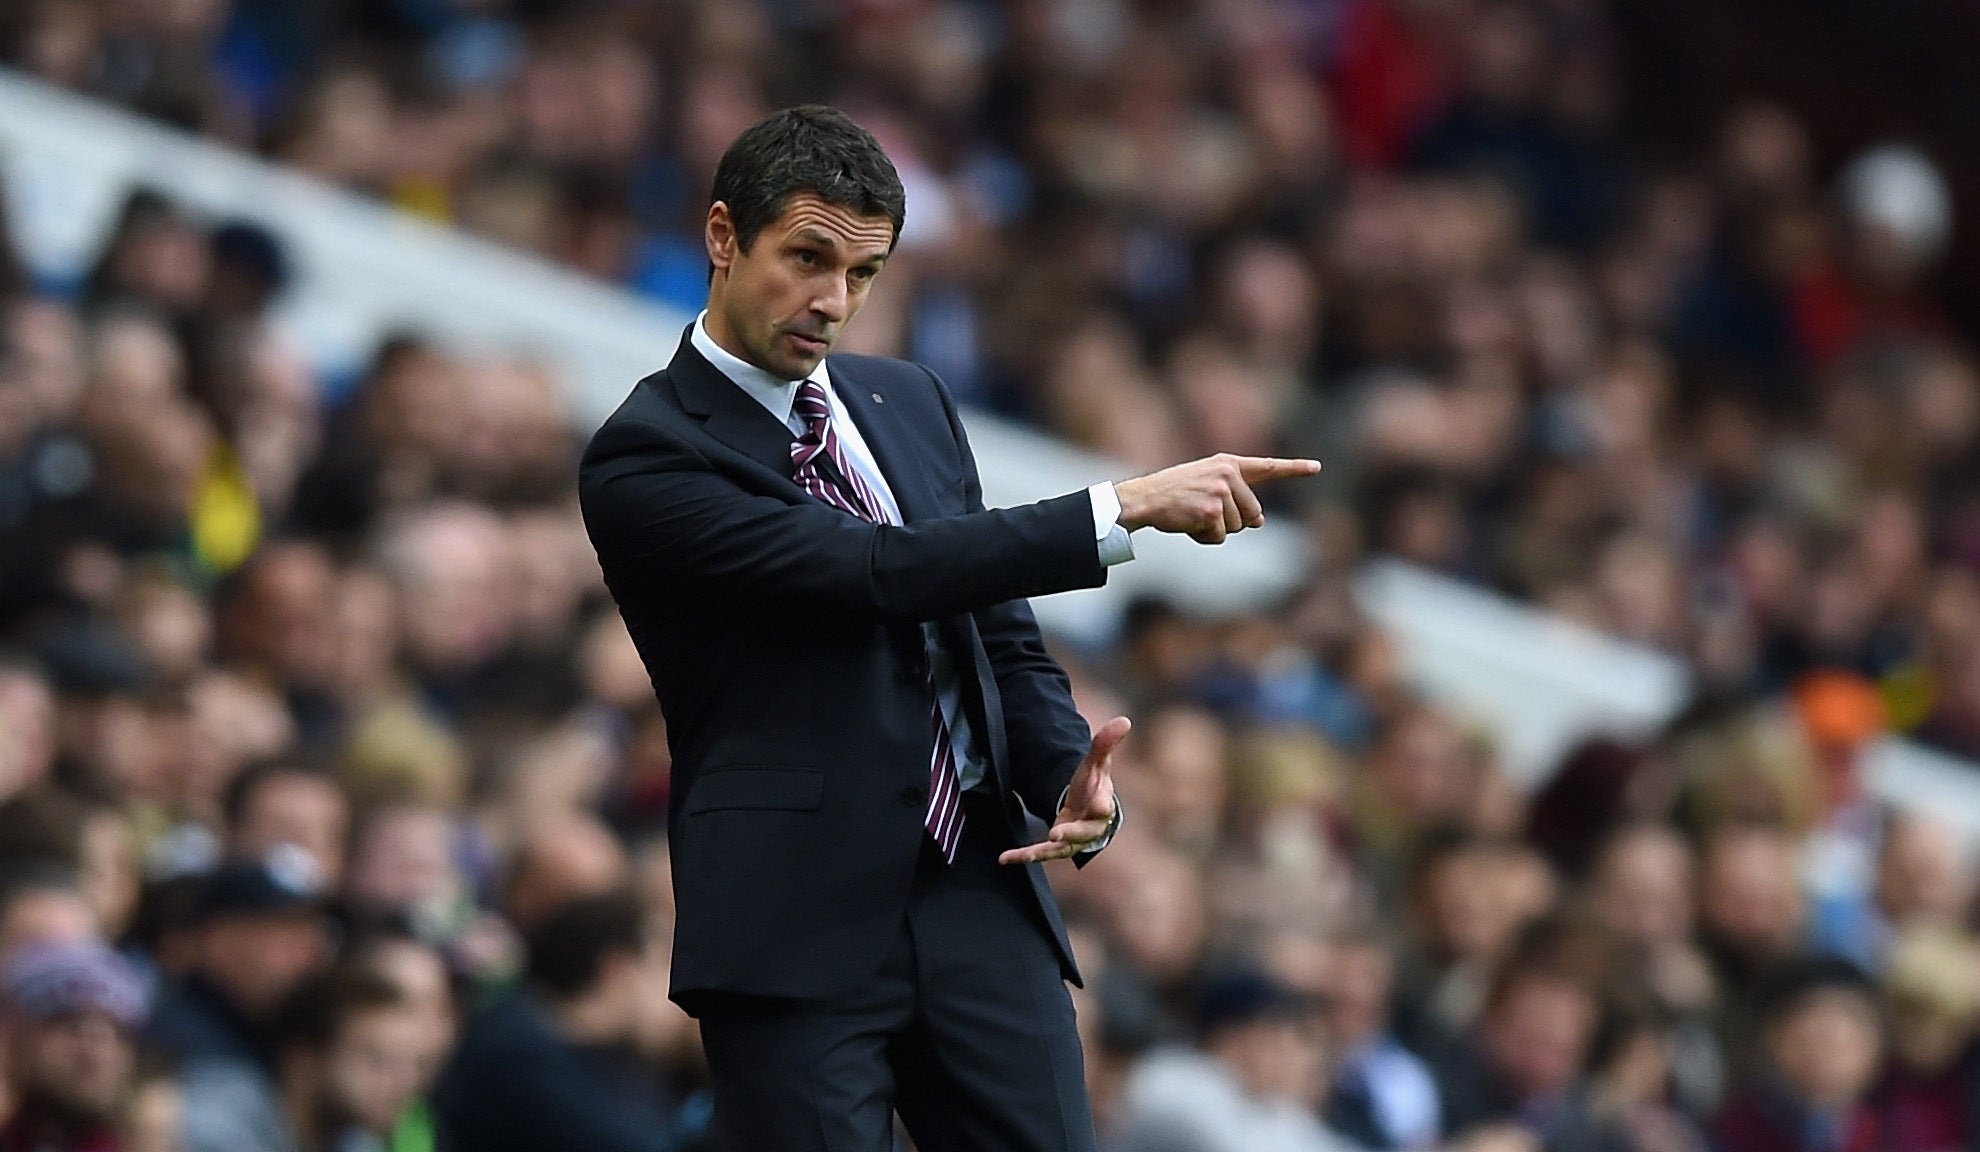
<point x="783" y="640"/>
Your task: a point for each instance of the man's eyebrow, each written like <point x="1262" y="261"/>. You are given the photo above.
<point x="816" y="236"/>
<point x="824" y="239"/>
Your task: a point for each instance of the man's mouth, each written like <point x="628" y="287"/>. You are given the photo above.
<point x="809" y="345"/>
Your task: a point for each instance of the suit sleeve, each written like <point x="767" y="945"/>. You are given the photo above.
<point x="657" y="510"/>
<point x="1045" y="733"/>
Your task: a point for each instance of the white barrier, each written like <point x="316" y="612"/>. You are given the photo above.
<point x="1538" y="682"/>
<point x="363" y="269"/>
<point x="1539" y="685"/>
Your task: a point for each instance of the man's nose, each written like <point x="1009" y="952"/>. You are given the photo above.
<point x="831" y="301"/>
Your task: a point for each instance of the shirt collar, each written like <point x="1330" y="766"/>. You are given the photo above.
<point x="777" y="396"/>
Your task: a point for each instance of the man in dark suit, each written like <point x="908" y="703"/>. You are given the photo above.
<point x="861" y="709"/>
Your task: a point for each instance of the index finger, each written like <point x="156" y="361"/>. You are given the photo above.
<point x="1255" y="469"/>
<point x="1036" y="853"/>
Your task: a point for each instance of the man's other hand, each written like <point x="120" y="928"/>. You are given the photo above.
<point x="1089" y="805"/>
<point x="1207" y="499"/>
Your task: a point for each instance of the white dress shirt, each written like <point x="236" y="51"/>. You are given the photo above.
<point x="779" y="397"/>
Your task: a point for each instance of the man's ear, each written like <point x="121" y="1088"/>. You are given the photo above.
<point x="719" y="234"/>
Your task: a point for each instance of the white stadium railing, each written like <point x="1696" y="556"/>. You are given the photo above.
<point x="363" y="269"/>
<point x="1537" y="682"/>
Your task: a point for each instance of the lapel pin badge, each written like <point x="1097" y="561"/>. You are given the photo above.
<point x="879" y="399"/>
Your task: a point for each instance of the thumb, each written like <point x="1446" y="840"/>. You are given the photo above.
<point x="1107" y="739"/>
<point x="1099" y="787"/>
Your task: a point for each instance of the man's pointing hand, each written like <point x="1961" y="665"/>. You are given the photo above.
<point x="1207" y="499"/>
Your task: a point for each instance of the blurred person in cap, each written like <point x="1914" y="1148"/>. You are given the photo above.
<point x="259" y="930"/>
<point x="102" y="723"/>
<point x="1252" y="1083"/>
<point x="72" y="1013"/>
<point x="1822" y="1041"/>
<point x="256" y="931"/>
<point x="823" y="515"/>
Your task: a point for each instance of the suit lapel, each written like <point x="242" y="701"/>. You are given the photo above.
<point x="888" y="437"/>
<point x="737" y="420"/>
<point x="730" y="415"/>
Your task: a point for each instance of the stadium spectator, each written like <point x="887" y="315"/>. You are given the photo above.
<point x="1926" y="1097"/>
<point x="1750" y="923"/>
<point x="1527" y="1061"/>
<point x="1624" y="311"/>
<point x="354" y="1056"/>
<point x="257" y="932"/>
<point x="73" y="1012"/>
<point x="553" y="1064"/>
<point x="1256" y="1083"/>
<point x="1822" y="1039"/>
<point x="421" y="975"/>
<point x="1383" y="1095"/>
<point x="280" y="802"/>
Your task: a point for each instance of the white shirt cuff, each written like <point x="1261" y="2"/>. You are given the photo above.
<point x="1113" y="823"/>
<point x="1116" y="547"/>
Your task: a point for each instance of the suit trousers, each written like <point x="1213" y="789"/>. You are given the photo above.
<point x="967" y="1030"/>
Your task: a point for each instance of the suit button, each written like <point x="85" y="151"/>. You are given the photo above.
<point x="914" y="797"/>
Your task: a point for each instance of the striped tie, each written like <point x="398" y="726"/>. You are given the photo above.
<point x="821" y="468"/>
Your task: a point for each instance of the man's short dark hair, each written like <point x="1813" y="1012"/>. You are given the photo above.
<point x="811" y="148"/>
<point x="567" y="951"/>
<point x="247" y="783"/>
<point x="322" y="1005"/>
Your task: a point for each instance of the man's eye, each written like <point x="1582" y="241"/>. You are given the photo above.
<point x="807" y="258"/>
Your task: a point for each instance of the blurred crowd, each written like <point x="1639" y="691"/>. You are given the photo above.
<point x="333" y="795"/>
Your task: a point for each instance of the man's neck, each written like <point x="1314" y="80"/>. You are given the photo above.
<point x="717" y="326"/>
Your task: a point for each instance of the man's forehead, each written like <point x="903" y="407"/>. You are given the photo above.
<point x="861" y="234"/>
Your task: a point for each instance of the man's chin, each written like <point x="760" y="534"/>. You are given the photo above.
<point x="795" y="368"/>
<point x="802" y="349"/>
